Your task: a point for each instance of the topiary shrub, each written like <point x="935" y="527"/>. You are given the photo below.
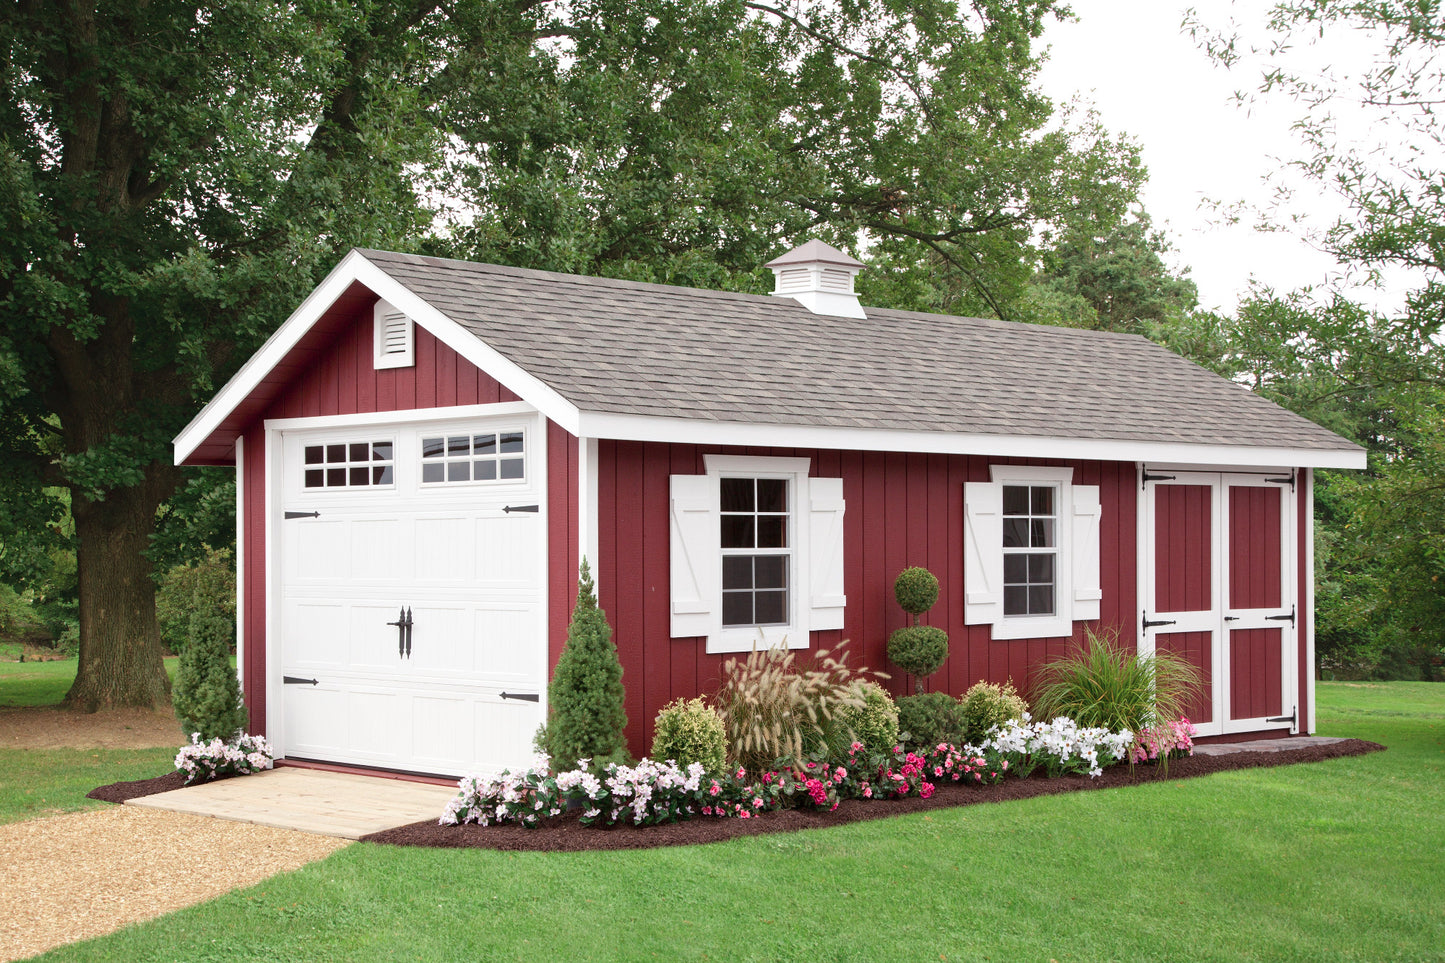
<point x="985" y="706"/>
<point x="916" y="589"/>
<point x="875" y="722"/>
<point x="930" y="718"/>
<point x="689" y="731"/>
<point x="207" y="695"/>
<point x="586" y="717"/>
<point x="917" y="649"/>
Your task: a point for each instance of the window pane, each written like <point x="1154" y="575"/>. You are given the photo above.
<point x="737" y="531"/>
<point x="772" y="608"/>
<point x="511" y="441"/>
<point x="335" y="477"/>
<point x="737" y="608"/>
<point x="315" y="478"/>
<point x="313" y="454"/>
<point x="381" y="474"/>
<point x="772" y="531"/>
<point x="360" y="476"/>
<point x="1015" y="500"/>
<point x="737" y="494"/>
<point x="432" y="448"/>
<point x="1041" y="569"/>
<point x="1042" y="499"/>
<point x="381" y="451"/>
<point x="361" y="452"/>
<point x="737" y="571"/>
<point x="459" y="445"/>
<point x="772" y="495"/>
<point x="1041" y="599"/>
<point x="772" y="571"/>
<point x="1015" y="533"/>
<point x="1015" y="600"/>
<point x="486" y="471"/>
<point x="484" y="444"/>
<point x="1015" y="569"/>
<point x="335" y="453"/>
<point x="1042" y="531"/>
<point x="434" y="472"/>
<point x="511" y="468"/>
<point x="458" y="470"/>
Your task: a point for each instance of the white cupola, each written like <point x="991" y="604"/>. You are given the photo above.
<point x="819" y="277"/>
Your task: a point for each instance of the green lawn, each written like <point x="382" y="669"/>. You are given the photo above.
<point x="38" y="782"/>
<point x="1333" y="861"/>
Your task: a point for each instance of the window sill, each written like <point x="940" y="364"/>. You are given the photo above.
<point x="1032" y="628"/>
<point x="746" y="640"/>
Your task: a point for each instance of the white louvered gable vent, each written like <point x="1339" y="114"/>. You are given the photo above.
<point x="395" y="337"/>
<point x="820" y="278"/>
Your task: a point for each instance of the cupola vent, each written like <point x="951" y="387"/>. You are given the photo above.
<point x="819" y="277"/>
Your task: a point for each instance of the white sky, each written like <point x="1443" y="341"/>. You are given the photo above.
<point x="1148" y="79"/>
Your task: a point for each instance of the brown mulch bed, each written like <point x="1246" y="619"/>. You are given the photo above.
<point x="566" y="834"/>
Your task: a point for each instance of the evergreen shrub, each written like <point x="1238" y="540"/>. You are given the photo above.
<point x="875" y="722"/>
<point x="213" y="578"/>
<point x="207" y="695"/>
<point x="688" y="731"/>
<point x="585" y="697"/>
<point x="916" y="589"/>
<point x="985" y="706"/>
<point x="918" y="650"/>
<point x="929" y="718"/>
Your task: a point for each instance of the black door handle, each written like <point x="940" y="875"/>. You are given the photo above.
<point x="403" y="632"/>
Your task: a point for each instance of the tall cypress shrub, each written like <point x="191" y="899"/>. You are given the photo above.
<point x="586" y="717"/>
<point x="208" y="694"/>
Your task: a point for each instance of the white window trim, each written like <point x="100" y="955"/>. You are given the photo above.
<point x="1061" y="623"/>
<point x="794" y="634"/>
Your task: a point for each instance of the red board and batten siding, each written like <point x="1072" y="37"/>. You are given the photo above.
<point x="903" y="509"/>
<point x="342" y="380"/>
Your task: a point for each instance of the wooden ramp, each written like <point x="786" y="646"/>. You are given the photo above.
<point x="309" y="800"/>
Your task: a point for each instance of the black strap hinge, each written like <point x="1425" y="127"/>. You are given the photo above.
<point x="1150" y="623"/>
<point x="521" y="508"/>
<point x="1293" y="712"/>
<point x="296" y="680"/>
<point x="524" y="696"/>
<point x="1148" y="476"/>
<point x="303" y="514"/>
<point x="1284" y="481"/>
<point x="1282" y="618"/>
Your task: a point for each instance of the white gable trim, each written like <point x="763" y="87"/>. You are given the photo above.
<point x="355" y="267"/>
<point x="648" y="428"/>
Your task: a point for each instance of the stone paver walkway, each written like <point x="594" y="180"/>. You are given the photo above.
<point x="311" y="800"/>
<point x="1265" y="745"/>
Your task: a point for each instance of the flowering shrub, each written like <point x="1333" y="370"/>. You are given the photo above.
<point x="972" y="765"/>
<point x="524" y="797"/>
<point x="204" y="761"/>
<point x="1061" y="746"/>
<point x="1162" y="741"/>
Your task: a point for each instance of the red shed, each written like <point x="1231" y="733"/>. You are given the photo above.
<point x="427" y="448"/>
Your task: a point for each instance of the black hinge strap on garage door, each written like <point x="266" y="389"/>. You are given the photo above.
<point x="521" y="508"/>
<point x="303" y="514"/>
<point x="296" y="680"/>
<point x="524" y="696"/>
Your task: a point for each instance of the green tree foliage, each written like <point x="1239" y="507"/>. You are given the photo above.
<point x="212" y="580"/>
<point x="917" y="649"/>
<point x="1377" y="377"/>
<point x="175" y="177"/>
<point x="586" y="716"/>
<point x="208" y="694"/>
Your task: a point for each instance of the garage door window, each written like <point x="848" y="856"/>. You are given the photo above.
<point x="465" y="458"/>
<point x="357" y="464"/>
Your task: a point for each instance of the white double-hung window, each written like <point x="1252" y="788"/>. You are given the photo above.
<point x="756" y="553"/>
<point x="1031" y="566"/>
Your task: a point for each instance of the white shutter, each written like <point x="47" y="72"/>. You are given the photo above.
<point x="1084" y="547"/>
<point x="696" y="556"/>
<point x="982" y="553"/>
<point x="825" y="553"/>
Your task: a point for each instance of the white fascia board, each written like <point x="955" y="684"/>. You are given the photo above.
<point x="355" y="267"/>
<point x="624" y="427"/>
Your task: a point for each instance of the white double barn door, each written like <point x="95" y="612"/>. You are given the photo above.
<point x="460" y="684"/>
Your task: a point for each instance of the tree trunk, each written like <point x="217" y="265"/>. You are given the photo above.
<point x="120" y="643"/>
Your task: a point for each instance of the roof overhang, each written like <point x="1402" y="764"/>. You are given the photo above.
<point x="218" y="424"/>
<point x="652" y="428"/>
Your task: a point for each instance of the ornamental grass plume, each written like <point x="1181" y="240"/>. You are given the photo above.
<point x="586" y="717"/>
<point x="777" y="711"/>
<point x="1104" y="684"/>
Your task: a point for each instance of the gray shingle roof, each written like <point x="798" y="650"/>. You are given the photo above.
<point x="623" y="347"/>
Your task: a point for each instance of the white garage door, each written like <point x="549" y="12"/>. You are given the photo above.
<point x="411" y="620"/>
